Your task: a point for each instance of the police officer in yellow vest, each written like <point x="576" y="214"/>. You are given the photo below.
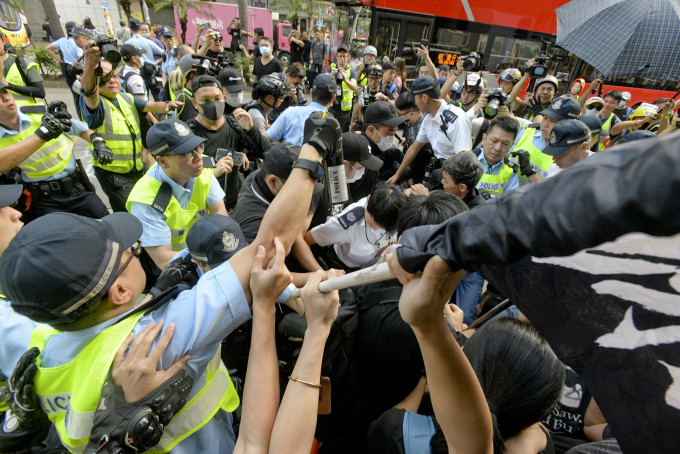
<point x="91" y="298"/>
<point x="347" y="86"/>
<point x="175" y="192"/>
<point x="533" y="163"/>
<point x="38" y="146"/>
<point x="116" y="117"/>
<point x="23" y="79"/>
<point x="500" y="174"/>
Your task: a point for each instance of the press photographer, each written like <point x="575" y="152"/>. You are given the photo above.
<point x="267" y="94"/>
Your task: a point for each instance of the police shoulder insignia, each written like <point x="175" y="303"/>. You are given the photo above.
<point x="449" y="116"/>
<point x="351" y="217"/>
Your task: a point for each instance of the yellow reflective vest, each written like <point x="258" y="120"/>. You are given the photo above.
<point x="347" y="94"/>
<point x="51" y="158"/>
<point x="540" y="161"/>
<point x="121" y="132"/>
<point x="496" y="184"/>
<point x="178" y="219"/>
<point x="606" y="127"/>
<point x="70" y="393"/>
<point x="14" y="77"/>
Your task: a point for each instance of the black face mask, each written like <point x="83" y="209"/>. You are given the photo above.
<point x="228" y="110"/>
<point x="213" y="110"/>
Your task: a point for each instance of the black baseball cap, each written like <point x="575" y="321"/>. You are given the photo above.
<point x="383" y="112"/>
<point x="357" y="148"/>
<point x="166" y="31"/>
<point x="10" y="193"/>
<point x="279" y="159"/>
<point x="594" y="123"/>
<point x="426" y="85"/>
<point x="341" y="48"/>
<point x="204" y="81"/>
<point x="563" y="108"/>
<point x="134" y="23"/>
<point x="566" y="134"/>
<point x="325" y="81"/>
<point x="62" y="263"/>
<point x="214" y="239"/>
<point x="130" y="50"/>
<point x="637" y="135"/>
<point x="80" y="31"/>
<point x="232" y="80"/>
<point x="171" y="136"/>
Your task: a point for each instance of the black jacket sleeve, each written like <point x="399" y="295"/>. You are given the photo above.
<point x="34" y="89"/>
<point x="631" y="188"/>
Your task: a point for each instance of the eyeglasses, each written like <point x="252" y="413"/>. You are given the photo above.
<point x="219" y="39"/>
<point x="195" y="153"/>
<point x="598" y="108"/>
<point x="134" y="252"/>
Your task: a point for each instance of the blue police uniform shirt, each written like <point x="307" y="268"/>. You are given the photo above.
<point x="155" y="231"/>
<point x="69" y="49"/>
<point x="171" y="63"/>
<point x="538" y="140"/>
<point x="203" y="316"/>
<point x="290" y="126"/>
<point x="96" y="119"/>
<point x="77" y="128"/>
<point x="495" y="169"/>
<point x="147" y="46"/>
<point x="16" y="331"/>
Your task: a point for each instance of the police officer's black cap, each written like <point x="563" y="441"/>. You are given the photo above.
<point x="61" y="264"/>
<point x="357" y="148"/>
<point x="279" y="159"/>
<point x="166" y="31"/>
<point x="81" y="31"/>
<point x="134" y="23"/>
<point x="565" y="135"/>
<point x="563" y="108"/>
<point x="9" y="193"/>
<point x="594" y="123"/>
<point x="383" y="112"/>
<point x="232" y="80"/>
<point x="325" y="81"/>
<point x="128" y="51"/>
<point x="426" y="85"/>
<point x="214" y="239"/>
<point x="69" y="26"/>
<point x="637" y="135"/>
<point x="204" y="81"/>
<point x="171" y="136"/>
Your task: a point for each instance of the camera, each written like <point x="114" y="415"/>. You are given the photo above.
<point x="472" y="62"/>
<point x="541" y="66"/>
<point x="496" y="99"/>
<point x="338" y="76"/>
<point x="207" y="66"/>
<point x="300" y="92"/>
<point x="109" y="48"/>
<point x="424" y="43"/>
<point x="152" y="74"/>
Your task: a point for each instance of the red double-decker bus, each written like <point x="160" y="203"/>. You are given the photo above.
<point x="505" y="34"/>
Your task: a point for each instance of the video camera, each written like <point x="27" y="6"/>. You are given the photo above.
<point x="300" y="93"/>
<point x="542" y="62"/>
<point x="472" y="62"/>
<point x="109" y="48"/>
<point x="496" y="99"/>
<point x="154" y="74"/>
<point x="207" y="66"/>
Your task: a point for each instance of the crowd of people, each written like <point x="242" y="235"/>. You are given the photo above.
<point x="221" y="208"/>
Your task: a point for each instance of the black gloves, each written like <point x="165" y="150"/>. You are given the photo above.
<point x="179" y="271"/>
<point x="323" y="133"/>
<point x="56" y="121"/>
<point x="100" y="151"/>
<point x="31" y="423"/>
<point x="525" y="167"/>
<point x="122" y="427"/>
<point x="535" y="106"/>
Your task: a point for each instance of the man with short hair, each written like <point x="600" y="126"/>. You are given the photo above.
<point x="318" y="53"/>
<point x="622" y="110"/>
<point x="346" y="79"/>
<point x="288" y="127"/>
<point x="297" y="46"/>
<point x="461" y="174"/>
<point x="145" y="29"/>
<point x="611" y="123"/>
<point x="267" y="63"/>
<point x="445" y="127"/>
<point x="170" y="57"/>
<point x="224" y="57"/>
<point x="150" y="49"/>
<point x="569" y="143"/>
<point x="122" y="33"/>
<point x="500" y="174"/>
<point x="71" y="48"/>
<point x="408" y="110"/>
<point x="174" y="193"/>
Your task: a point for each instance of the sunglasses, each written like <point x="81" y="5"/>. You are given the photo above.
<point x="134" y="252"/>
<point x="598" y="108"/>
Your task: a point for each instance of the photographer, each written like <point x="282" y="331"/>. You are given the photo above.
<point x="115" y="116"/>
<point x="267" y="94"/>
<point x="225" y="58"/>
<point x="545" y="90"/>
<point x="368" y="94"/>
<point x="346" y="80"/>
<point x="132" y="83"/>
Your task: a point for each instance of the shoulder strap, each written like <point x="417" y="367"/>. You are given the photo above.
<point x="482" y="131"/>
<point x="511" y="164"/>
<point x="477" y="151"/>
<point x="163" y="196"/>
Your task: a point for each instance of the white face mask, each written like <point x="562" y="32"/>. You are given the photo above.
<point x="622" y="104"/>
<point x="357" y="175"/>
<point x="235" y="99"/>
<point x="146" y="35"/>
<point x="386" y="142"/>
<point x="591" y="113"/>
<point x="265" y="50"/>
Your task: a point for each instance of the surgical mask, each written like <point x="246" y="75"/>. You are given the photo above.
<point x="235" y="99"/>
<point x="357" y="175"/>
<point x="266" y="50"/>
<point x="146" y="35"/>
<point x="386" y="142"/>
<point x="622" y="104"/>
<point x="591" y="113"/>
<point x="213" y="110"/>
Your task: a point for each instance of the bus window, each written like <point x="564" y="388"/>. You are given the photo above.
<point x="415" y="31"/>
<point x="462" y="42"/>
<point x="9" y="18"/>
<point x="510" y="53"/>
<point x="387" y="37"/>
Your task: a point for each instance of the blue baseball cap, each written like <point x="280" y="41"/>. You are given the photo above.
<point x="171" y="136"/>
<point x="637" y="135"/>
<point x="563" y="108"/>
<point x="214" y="239"/>
<point x="10" y="193"/>
<point x="426" y="85"/>
<point x="565" y="135"/>
<point x="327" y="80"/>
<point x="594" y="123"/>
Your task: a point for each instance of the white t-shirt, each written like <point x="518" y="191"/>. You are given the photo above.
<point x="457" y="137"/>
<point x="134" y="84"/>
<point x="355" y="245"/>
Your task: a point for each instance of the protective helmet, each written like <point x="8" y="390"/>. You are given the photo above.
<point x="581" y="81"/>
<point x="270" y="85"/>
<point x="510" y="75"/>
<point x="370" y="50"/>
<point x="374" y="70"/>
<point x="547" y="79"/>
<point x="643" y="110"/>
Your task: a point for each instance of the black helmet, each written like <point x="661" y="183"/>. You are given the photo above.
<point x="270" y="85"/>
<point x="374" y="69"/>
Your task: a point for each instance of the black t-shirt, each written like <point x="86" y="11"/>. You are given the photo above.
<point x="296" y="52"/>
<point x="188" y="111"/>
<point x="306" y="51"/>
<point x="235" y="39"/>
<point x="260" y="70"/>
<point x="225" y="55"/>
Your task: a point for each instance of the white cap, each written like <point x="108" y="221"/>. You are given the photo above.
<point x="370" y="50"/>
<point x="625" y="95"/>
<point x="593" y="100"/>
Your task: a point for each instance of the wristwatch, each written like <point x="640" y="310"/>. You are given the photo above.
<point x="315" y="168"/>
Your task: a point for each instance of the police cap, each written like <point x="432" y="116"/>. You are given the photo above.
<point x="565" y="135"/>
<point x="563" y="108"/>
